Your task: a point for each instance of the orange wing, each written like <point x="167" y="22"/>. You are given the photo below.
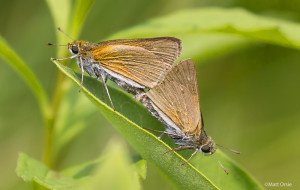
<point x="177" y="96"/>
<point x="145" y="60"/>
<point x="167" y="48"/>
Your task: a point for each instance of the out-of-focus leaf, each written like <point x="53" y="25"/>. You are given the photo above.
<point x="82" y="9"/>
<point x="23" y="70"/>
<point x="116" y="159"/>
<point x="151" y="148"/>
<point x="207" y="46"/>
<point x="61" y="12"/>
<point x="83" y="171"/>
<point x="115" y="172"/>
<point x="141" y="168"/>
<point x="70" y="21"/>
<point x="235" y="21"/>
<point x="31" y="170"/>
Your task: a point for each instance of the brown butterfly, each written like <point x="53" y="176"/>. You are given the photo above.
<point x="175" y="102"/>
<point x="134" y="64"/>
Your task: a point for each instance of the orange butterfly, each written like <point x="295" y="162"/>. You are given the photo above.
<point x="134" y="64"/>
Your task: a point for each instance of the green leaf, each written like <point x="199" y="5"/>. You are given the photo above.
<point x="207" y="46"/>
<point x="24" y="71"/>
<point x="116" y="159"/>
<point x="31" y="170"/>
<point x="73" y="114"/>
<point x="82" y="172"/>
<point x="235" y="21"/>
<point x="141" y="168"/>
<point x="61" y="11"/>
<point x="115" y="172"/>
<point x="70" y="21"/>
<point x="130" y="113"/>
<point x="82" y="9"/>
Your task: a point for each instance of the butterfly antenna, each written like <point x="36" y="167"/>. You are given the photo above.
<point x="221" y="165"/>
<point x="50" y="44"/>
<point x="65" y="33"/>
<point x="234" y="151"/>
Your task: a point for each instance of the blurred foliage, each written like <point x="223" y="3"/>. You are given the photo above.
<point x="115" y="156"/>
<point x="249" y="90"/>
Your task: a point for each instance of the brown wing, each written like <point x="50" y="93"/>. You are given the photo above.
<point x="177" y="96"/>
<point x="132" y="62"/>
<point x="167" y="48"/>
<point x="185" y="73"/>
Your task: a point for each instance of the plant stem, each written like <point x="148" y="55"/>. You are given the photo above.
<point x="62" y="85"/>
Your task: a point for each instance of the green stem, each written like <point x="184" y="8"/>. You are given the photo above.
<point x="62" y="85"/>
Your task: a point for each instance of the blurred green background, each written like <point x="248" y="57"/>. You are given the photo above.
<point x="249" y="95"/>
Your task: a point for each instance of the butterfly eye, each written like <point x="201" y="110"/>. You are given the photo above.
<point x="205" y="149"/>
<point x="75" y="49"/>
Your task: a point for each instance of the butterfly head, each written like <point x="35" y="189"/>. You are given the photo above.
<point x="208" y="148"/>
<point x="74" y="47"/>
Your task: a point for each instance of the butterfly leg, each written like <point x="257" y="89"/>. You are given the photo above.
<point x="161" y="135"/>
<point x="82" y="72"/>
<point x="72" y="57"/>
<point x="104" y="83"/>
<point x="103" y="88"/>
<point x="190" y="157"/>
<point x="162" y="132"/>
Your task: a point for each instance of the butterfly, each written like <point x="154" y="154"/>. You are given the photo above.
<point x="134" y="64"/>
<point x="175" y="102"/>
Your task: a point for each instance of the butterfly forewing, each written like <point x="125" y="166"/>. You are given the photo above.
<point x="144" y="60"/>
<point x="132" y="62"/>
<point x="177" y="96"/>
<point x="167" y="48"/>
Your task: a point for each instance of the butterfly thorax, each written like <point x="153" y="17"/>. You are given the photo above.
<point x="187" y="140"/>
